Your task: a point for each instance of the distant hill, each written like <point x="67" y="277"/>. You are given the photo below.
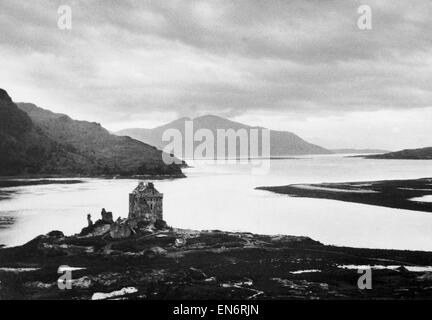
<point x="361" y="151"/>
<point x="413" y="154"/>
<point x="282" y="143"/>
<point x="37" y="141"/>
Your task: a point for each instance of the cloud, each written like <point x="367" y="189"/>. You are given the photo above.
<point x="125" y="60"/>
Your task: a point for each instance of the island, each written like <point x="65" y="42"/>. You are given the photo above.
<point x="407" y="154"/>
<point x="399" y="194"/>
<point x="141" y="257"/>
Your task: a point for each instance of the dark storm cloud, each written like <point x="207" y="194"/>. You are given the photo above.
<point x="225" y="57"/>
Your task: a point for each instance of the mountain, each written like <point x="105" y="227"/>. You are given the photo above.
<point x="408" y="154"/>
<point x="362" y="151"/>
<point x="38" y="141"/>
<point x="25" y="148"/>
<point x="282" y="143"/>
<point x="110" y="153"/>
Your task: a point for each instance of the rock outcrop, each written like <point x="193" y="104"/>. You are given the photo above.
<point x="145" y="214"/>
<point x="107" y="217"/>
<point x="121" y="230"/>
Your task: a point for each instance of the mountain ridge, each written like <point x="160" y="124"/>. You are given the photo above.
<point x="36" y="141"/>
<point x="115" y="154"/>
<point x="25" y="148"/>
<point x="282" y="143"/>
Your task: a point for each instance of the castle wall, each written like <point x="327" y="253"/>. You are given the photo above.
<point x="146" y="207"/>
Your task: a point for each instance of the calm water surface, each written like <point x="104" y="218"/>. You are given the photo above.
<point x="223" y="197"/>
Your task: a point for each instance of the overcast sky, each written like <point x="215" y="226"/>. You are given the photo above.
<point x="302" y="66"/>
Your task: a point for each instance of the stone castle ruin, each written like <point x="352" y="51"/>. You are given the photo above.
<point x="145" y="213"/>
<point x="145" y="203"/>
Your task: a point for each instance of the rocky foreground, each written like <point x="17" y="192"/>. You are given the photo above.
<point x="182" y="264"/>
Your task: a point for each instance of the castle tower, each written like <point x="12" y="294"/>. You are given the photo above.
<point x="145" y="203"/>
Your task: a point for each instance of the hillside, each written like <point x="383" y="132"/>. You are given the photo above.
<point x="413" y="154"/>
<point x="25" y="149"/>
<point x="282" y="143"/>
<point x="34" y="141"/>
<point x="107" y="153"/>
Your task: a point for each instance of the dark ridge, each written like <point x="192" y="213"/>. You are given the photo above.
<point x="391" y="193"/>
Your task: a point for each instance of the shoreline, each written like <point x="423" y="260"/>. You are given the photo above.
<point x="174" y="263"/>
<point x="8" y="183"/>
<point x="396" y="194"/>
<point x="29" y="180"/>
